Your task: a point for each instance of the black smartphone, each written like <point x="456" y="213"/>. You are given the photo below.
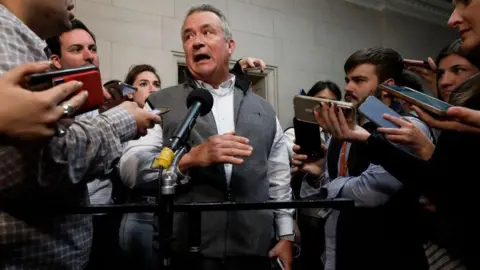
<point x="277" y="264"/>
<point x="160" y="111"/>
<point x="307" y="136"/>
<point x="119" y="87"/>
<point x="373" y="109"/>
<point x="417" y="63"/>
<point x="424" y="101"/>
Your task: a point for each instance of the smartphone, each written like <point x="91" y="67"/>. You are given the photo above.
<point x="416" y="63"/>
<point x="302" y="92"/>
<point x="160" y="111"/>
<point x="89" y="75"/>
<point x="424" y="101"/>
<point x="252" y="68"/>
<point x="373" y="109"/>
<point x="307" y="136"/>
<point x="280" y="264"/>
<point x="120" y="88"/>
<point x="304" y="107"/>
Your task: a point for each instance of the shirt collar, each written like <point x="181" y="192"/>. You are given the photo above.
<point x="5" y="14"/>
<point x="224" y="89"/>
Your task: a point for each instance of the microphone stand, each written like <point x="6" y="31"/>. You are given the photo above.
<point x="163" y="224"/>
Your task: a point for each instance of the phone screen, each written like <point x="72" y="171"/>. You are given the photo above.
<point x="373" y="109"/>
<point x="126" y="89"/>
<point x="421" y="97"/>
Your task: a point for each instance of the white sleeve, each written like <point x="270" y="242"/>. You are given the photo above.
<point x="289" y="136"/>
<point x="138" y="155"/>
<point x="278" y="175"/>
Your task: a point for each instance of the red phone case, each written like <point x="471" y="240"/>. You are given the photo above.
<point x="92" y="83"/>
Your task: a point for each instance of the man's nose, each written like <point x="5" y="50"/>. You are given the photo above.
<point x="89" y="56"/>
<point x="198" y="42"/>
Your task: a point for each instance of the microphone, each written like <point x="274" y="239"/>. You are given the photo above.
<point x="199" y="102"/>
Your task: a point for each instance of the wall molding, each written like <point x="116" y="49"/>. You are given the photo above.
<point x="433" y="11"/>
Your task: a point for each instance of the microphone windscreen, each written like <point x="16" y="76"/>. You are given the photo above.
<point x="204" y="97"/>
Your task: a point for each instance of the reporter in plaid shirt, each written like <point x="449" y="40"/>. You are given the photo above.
<point x="52" y="172"/>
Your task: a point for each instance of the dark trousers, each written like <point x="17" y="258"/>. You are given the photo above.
<point x="313" y="241"/>
<point x="105" y="249"/>
<point x="231" y="263"/>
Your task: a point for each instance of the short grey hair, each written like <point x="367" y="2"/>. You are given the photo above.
<point x="209" y="8"/>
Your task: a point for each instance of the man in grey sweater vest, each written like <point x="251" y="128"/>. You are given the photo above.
<point x="238" y="154"/>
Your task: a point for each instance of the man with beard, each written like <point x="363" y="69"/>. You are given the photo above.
<point x="381" y="232"/>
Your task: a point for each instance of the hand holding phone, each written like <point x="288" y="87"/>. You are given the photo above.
<point x="145" y="120"/>
<point x="417" y="63"/>
<point x="89" y="76"/>
<point x="305" y="106"/>
<point x="119" y="93"/>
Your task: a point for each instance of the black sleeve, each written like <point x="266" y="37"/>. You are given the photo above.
<point x="407" y="168"/>
<point x="237" y="69"/>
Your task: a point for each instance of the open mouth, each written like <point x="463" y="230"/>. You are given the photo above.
<point x="201" y="57"/>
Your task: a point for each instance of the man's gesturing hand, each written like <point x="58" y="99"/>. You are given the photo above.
<point x="226" y="148"/>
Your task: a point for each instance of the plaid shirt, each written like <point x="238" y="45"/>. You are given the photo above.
<point x="51" y="173"/>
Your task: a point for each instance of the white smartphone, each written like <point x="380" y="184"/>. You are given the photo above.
<point x="304" y="107"/>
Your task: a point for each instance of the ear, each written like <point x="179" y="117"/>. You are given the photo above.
<point x="55" y="61"/>
<point x="389" y="81"/>
<point x="231" y="46"/>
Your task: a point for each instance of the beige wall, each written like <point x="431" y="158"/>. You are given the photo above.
<point x="307" y="40"/>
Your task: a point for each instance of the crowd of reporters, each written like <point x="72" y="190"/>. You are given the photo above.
<point x="413" y="186"/>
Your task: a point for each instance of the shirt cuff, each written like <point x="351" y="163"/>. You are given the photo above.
<point x="284" y="225"/>
<point x="123" y="123"/>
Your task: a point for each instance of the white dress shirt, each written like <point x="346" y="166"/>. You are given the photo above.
<point x="224" y="117"/>
<point x="135" y="164"/>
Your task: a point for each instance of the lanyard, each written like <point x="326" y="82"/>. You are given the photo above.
<point x="343" y="160"/>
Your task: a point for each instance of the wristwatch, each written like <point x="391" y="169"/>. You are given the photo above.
<point x="288" y="237"/>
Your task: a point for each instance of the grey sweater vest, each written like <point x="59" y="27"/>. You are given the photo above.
<point x="226" y="233"/>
